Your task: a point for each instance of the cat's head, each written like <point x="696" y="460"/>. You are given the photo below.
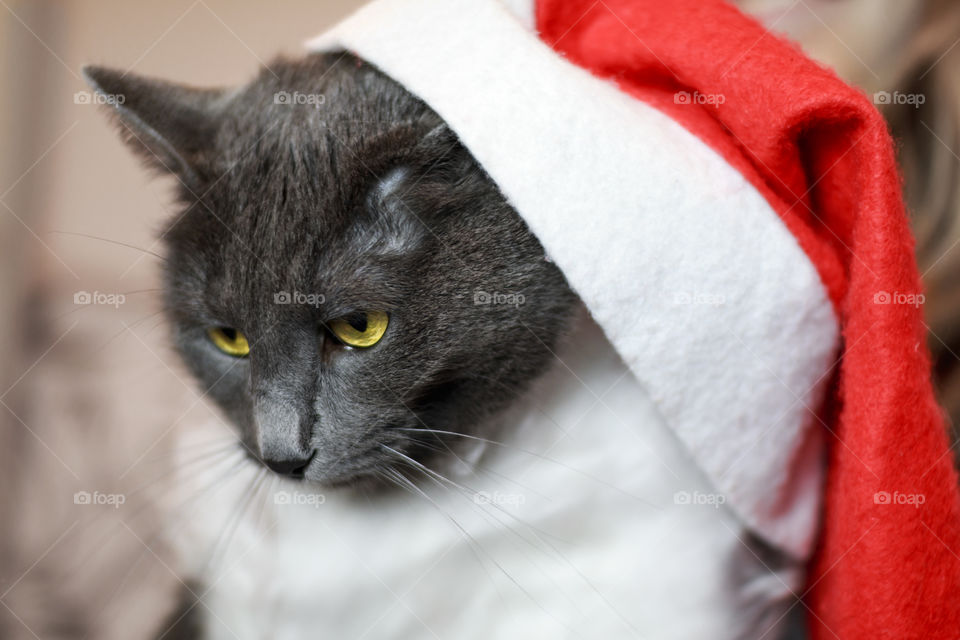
<point x="342" y="275"/>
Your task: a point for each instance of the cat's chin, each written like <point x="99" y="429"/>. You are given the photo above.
<point x="370" y="482"/>
<point x="365" y="481"/>
<point x="378" y="476"/>
<point x="364" y="474"/>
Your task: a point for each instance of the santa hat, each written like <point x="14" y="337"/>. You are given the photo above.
<point x="731" y="214"/>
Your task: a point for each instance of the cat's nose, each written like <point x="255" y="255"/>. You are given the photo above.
<point x="282" y="439"/>
<point x="288" y="466"/>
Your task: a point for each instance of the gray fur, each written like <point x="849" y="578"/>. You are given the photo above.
<point x="363" y="197"/>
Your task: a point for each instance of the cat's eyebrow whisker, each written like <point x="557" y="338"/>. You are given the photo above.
<point x="110" y="241"/>
<point x="134" y="292"/>
<point x="79" y="308"/>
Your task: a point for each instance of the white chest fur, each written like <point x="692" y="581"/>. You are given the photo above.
<point x="587" y="521"/>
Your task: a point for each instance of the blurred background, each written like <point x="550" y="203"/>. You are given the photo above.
<point x="90" y="396"/>
<point x="90" y="393"/>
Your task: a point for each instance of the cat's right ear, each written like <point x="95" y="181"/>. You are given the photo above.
<point x="171" y="126"/>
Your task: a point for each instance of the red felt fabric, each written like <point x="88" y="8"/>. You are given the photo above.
<point x="820" y="153"/>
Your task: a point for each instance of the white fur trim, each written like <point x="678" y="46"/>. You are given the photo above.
<point x="693" y="277"/>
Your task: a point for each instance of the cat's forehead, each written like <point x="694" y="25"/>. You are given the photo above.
<point x="283" y="223"/>
<point x="305" y="191"/>
<point x="266" y="269"/>
<point x="277" y="152"/>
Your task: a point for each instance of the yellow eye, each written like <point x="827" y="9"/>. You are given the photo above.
<point x="230" y="341"/>
<point x="360" y="329"/>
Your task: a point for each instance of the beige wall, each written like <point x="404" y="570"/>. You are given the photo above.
<point x="90" y="394"/>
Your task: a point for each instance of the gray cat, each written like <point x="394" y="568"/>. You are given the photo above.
<point x="365" y="211"/>
<point x="300" y="226"/>
<point x="325" y="282"/>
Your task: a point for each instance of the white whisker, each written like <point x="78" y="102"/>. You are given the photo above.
<point x="536" y="455"/>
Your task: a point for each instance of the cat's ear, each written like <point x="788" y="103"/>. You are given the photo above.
<point x="396" y="229"/>
<point x="171" y="126"/>
<point x="440" y="135"/>
<point x="442" y="146"/>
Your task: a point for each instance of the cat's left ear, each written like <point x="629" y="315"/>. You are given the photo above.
<point x="439" y="137"/>
<point x="171" y="126"/>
